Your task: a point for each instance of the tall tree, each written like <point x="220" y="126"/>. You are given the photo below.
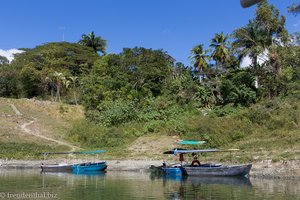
<point x="269" y="19"/>
<point x="220" y="48"/>
<point x="199" y="58"/>
<point x="96" y="42"/>
<point x="251" y="41"/>
<point x="263" y="34"/>
<point x="58" y="80"/>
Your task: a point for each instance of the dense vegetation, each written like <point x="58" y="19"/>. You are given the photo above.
<point x="144" y="91"/>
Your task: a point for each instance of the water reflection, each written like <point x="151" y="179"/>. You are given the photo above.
<point x="192" y="187"/>
<point x="133" y="185"/>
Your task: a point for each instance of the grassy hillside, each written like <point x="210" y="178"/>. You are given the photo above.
<point x="269" y="130"/>
<point x="44" y="121"/>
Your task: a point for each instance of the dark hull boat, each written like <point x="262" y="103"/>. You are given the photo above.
<point x="198" y="169"/>
<point x="222" y="170"/>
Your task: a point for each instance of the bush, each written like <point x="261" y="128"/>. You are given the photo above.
<point x="113" y="113"/>
<point x="239" y="89"/>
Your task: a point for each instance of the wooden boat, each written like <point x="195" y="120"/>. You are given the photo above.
<point x="78" y="167"/>
<point x="197" y="169"/>
<point x="56" y="168"/>
<point x="88" y="167"/>
<point x="222" y="170"/>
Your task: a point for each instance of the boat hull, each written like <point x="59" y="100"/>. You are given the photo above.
<point x="57" y="168"/>
<point x="89" y="167"/>
<point x="223" y="170"/>
<point x="172" y="171"/>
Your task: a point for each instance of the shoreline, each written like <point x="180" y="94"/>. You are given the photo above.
<point x="260" y="169"/>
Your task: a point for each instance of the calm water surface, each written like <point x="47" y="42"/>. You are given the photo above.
<point x="30" y="184"/>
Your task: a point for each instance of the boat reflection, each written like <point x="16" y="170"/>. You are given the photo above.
<point x="76" y="173"/>
<point x="231" y="181"/>
<point x="196" y="180"/>
<point x="177" y="187"/>
<point x="89" y="173"/>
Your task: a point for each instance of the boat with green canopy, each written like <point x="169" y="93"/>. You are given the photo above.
<point x="208" y="169"/>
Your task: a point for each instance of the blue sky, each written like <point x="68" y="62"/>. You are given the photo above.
<point x="172" y="25"/>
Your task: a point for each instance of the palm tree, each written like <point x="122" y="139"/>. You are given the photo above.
<point x="96" y="42"/>
<point x="251" y="41"/>
<point x="221" y="50"/>
<point x="199" y="58"/>
<point x="57" y="79"/>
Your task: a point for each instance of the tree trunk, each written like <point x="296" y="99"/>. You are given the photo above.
<point x="74" y="93"/>
<point x="255" y="68"/>
<point x="57" y="93"/>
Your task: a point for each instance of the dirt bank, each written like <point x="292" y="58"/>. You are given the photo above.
<point x="262" y="169"/>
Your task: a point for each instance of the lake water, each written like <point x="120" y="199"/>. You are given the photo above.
<point x="30" y="184"/>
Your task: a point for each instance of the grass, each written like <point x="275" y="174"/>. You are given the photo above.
<point x="5" y="109"/>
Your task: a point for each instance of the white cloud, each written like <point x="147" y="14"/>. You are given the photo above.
<point x="9" y="54"/>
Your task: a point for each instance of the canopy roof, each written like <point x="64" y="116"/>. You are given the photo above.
<point x="184" y="151"/>
<point x="191" y="142"/>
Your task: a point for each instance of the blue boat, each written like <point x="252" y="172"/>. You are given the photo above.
<point x="89" y="167"/>
<point x="172" y="171"/>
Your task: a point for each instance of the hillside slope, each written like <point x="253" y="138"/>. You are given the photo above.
<point x="266" y="131"/>
<point x="28" y="127"/>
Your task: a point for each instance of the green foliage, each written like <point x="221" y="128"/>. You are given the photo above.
<point x="221" y="111"/>
<point x="9" y="82"/>
<point x="93" y="136"/>
<point x="157" y="109"/>
<point x="239" y="89"/>
<point x="199" y="57"/>
<point x="35" y="65"/>
<point x="60" y="56"/>
<point x="119" y="84"/>
<point x="31" y="82"/>
<point x="95" y="42"/>
<point x="111" y="113"/>
<point x="276" y="114"/>
<point x="221" y="49"/>
<point x="204" y="97"/>
<point x="182" y="86"/>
